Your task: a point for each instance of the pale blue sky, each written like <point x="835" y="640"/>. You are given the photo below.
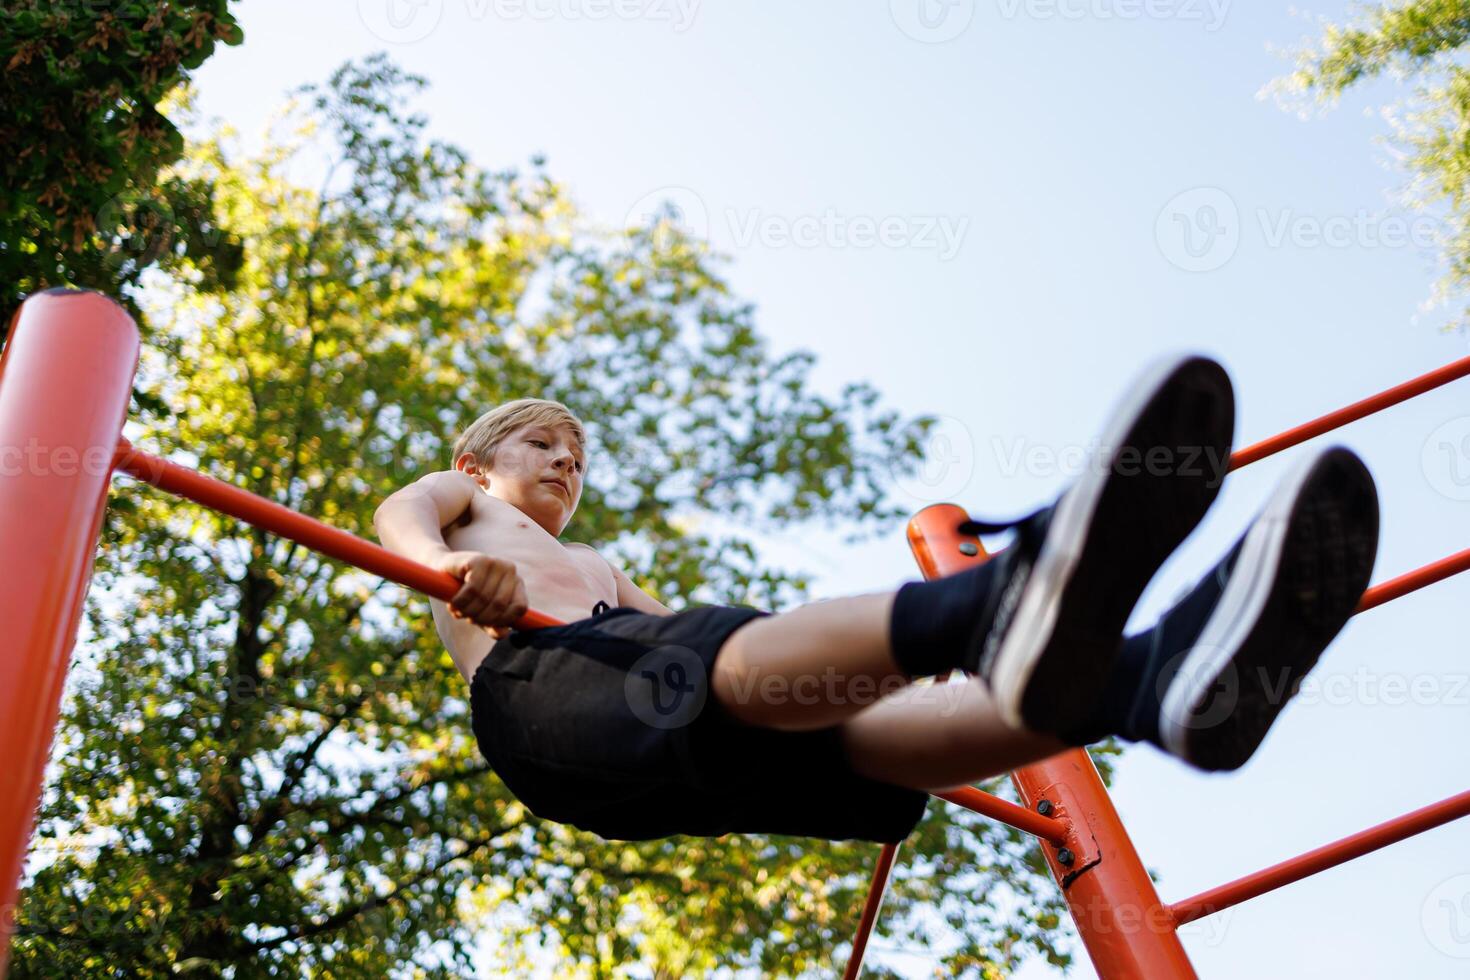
<point x="977" y="207"/>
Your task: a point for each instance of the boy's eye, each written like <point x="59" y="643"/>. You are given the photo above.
<point x="543" y="444"/>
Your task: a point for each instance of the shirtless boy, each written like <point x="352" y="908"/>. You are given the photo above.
<point x="636" y="722"/>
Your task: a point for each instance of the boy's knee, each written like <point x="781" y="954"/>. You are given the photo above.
<point x="734" y="682"/>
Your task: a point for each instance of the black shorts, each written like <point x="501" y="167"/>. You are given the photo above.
<point x="608" y="724"/>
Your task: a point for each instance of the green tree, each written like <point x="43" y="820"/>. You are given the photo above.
<point x="82" y="83"/>
<point x="1420" y="42"/>
<point x="265" y="765"/>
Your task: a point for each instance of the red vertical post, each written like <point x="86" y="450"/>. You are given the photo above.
<point x="66" y="376"/>
<point x="1128" y="932"/>
<point x="877" y="889"/>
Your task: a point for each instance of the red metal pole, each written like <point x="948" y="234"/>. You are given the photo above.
<point x="1336" y="420"/>
<point x="283" y="521"/>
<point x="1413" y="581"/>
<point x="1128" y="931"/>
<point x="65" y="379"/>
<point x="1050" y="829"/>
<point x="877" y="889"/>
<point x="1327" y="856"/>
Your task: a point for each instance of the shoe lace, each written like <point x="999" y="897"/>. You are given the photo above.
<point x="1029" y="529"/>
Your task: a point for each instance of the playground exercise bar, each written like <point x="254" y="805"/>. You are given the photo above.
<point x="1358" y="410"/>
<point x="1050" y="829"/>
<point x="287" y="523"/>
<point x="877" y="890"/>
<point x="65" y="379"/>
<point x="1327" y="856"/>
<point x="1414" y="581"/>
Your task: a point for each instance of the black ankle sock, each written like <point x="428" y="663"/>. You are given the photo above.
<point x="933" y="624"/>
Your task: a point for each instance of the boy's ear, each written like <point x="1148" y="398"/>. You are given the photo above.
<point x="467" y="463"/>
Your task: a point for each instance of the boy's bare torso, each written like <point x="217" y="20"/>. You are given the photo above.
<point x="562" y="580"/>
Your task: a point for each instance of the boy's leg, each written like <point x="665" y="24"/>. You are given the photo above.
<point x="1205" y="684"/>
<point x="811" y="667"/>
<point x="934" y="737"/>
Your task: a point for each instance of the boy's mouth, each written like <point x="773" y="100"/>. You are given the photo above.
<point x="557" y="483"/>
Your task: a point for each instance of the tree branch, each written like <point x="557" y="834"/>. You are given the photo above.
<point x="340" y="918"/>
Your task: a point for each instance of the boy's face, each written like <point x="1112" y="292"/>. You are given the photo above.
<point x="538" y="469"/>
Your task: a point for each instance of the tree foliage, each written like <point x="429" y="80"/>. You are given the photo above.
<point x="266" y="767"/>
<point x="1421" y="42"/>
<point x="85" y="140"/>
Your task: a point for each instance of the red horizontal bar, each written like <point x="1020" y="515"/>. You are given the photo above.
<point x="1414" y="581"/>
<point x="1354" y="412"/>
<point x="1050" y="829"/>
<point x="285" y="522"/>
<point x="1328" y="856"/>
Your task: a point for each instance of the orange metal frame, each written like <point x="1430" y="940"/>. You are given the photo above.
<point x="66" y="377"/>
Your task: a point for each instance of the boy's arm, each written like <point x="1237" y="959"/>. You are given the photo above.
<point x="629" y="594"/>
<point x="411" y="523"/>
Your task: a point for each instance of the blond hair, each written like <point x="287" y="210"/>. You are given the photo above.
<point x="486" y="432"/>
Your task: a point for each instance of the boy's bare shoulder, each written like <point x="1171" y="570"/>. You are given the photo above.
<point x="453" y="493"/>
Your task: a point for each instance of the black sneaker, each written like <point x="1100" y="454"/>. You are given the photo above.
<point x="1225" y="660"/>
<point x="1076" y="569"/>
